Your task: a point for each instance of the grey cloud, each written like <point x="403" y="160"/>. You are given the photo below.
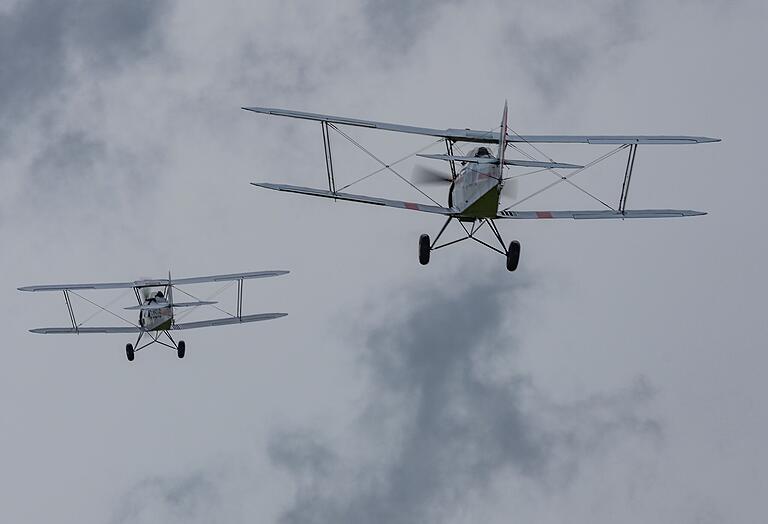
<point x="396" y="26"/>
<point x="555" y="59"/>
<point x="40" y="41"/>
<point x="301" y="453"/>
<point x="170" y="499"/>
<point x="443" y="425"/>
<point x="73" y="151"/>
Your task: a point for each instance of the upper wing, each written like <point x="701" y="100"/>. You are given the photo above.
<point x="582" y="215"/>
<point x="507" y="161"/>
<point x="227" y="277"/>
<point x="229" y="320"/>
<point x="62" y="287"/>
<point x="155" y="282"/>
<point x="357" y="198"/>
<point x="82" y="330"/>
<point x="470" y="135"/>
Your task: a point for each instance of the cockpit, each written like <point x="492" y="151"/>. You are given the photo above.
<point x="157" y="297"/>
<point x="480" y="152"/>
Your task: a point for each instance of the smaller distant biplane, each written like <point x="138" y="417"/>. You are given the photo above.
<point x="156" y="308"/>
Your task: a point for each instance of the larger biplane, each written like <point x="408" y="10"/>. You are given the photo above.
<point x="477" y="179"/>
<point x="156" y="308"/>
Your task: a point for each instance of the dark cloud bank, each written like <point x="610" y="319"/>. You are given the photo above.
<point x="44" y="42"/>
<point x="443" y="418"/>
<point x="457" y="426"/>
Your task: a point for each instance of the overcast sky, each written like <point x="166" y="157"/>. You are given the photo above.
<point x="617" y="376"/>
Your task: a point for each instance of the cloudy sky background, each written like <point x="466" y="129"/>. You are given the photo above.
<point x="617" y="376"/>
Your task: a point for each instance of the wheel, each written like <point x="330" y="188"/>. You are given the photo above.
<point x="424" y="250"/>
<point x="181" y="349"/>
<point x="513" y="255"/>
<point x="129" y="352"/>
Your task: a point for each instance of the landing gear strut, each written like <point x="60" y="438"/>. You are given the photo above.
<point x="511" y="253"/>
<point x="154" y="336"/>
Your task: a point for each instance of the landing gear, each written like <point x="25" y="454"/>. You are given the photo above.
<point x="424" y="250"/>
<point x="132" y="349"/>
<point x="513" y="255"/>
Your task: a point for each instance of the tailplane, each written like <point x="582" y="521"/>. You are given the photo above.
<point x="502" y="139"/>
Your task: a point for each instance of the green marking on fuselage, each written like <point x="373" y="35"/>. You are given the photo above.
<point x="165" y="326"/>
<point x="487" y="206"/>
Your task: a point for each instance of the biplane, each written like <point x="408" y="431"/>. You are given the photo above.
<point x="478" y="178"/>
<point x="156" y="307"/>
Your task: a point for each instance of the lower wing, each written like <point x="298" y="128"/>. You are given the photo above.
<point x="135" y="329"/>
<point x="86" y="330"/>
<point x="229" y="320"/>
<point x="357" y="198"/>
<point x="600" y="214"/>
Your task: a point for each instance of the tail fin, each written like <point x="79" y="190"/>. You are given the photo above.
<point x="170" y="288"/>
<point x="502" y="137"/>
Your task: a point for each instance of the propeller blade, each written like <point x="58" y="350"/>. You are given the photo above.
<point x="427" y="175"/>
<point x="509" y="189"/>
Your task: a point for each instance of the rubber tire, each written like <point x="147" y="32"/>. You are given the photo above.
<point x="513" y="255"/>
<point x="181" y="349"/>
<point x="129" y="352"/>
<point x="424" y="250"/>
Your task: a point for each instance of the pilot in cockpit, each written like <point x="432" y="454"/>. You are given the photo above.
<point x="158" y="295"/>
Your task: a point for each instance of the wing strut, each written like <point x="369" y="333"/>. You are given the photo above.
<point x="240" y="299"/>
<point x="328" y="160"/>
<point x="449" y="148"/>
<point x="627" y="178"/>
<point x="71" y="312"/>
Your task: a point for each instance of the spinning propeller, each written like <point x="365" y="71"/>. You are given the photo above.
<point x="429" y="176"/>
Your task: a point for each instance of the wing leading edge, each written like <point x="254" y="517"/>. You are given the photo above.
<point x="599" y="214"/>
<point x="156" y="282"/>
<point x="85" y="330"/>
<point x="136" y="329"/>
<point x="471" y="135"/>
<point x="229" y="320"/>
<point x="357" y="198"/>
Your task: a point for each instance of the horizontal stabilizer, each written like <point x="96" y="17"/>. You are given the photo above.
<point x="356" y="198"/>
<point x="468" y="159"/>
<point x="507" y="161"/>
<point x="543" y="165"/>
<point x="600" y="214"/>
<point x="148" y="307"/>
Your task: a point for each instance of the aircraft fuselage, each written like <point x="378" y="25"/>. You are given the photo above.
<point x="157" y="313"/>
<point x="476" y="189"/>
